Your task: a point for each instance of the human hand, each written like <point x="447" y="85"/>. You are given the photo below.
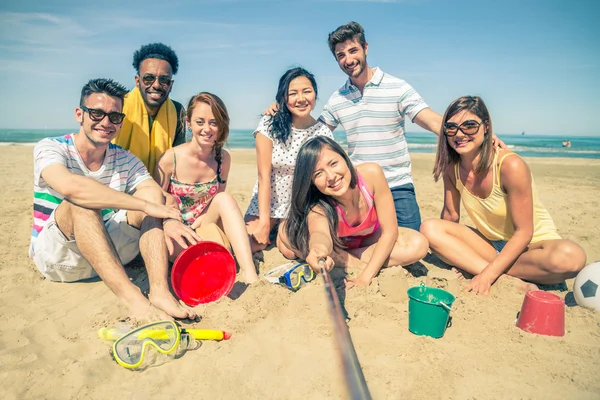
<point x="359" y="281"/>
<point x="261" y="233"/>
<point x="318" y="258"/>
<point x="498" y="143"/>
<point x="176" y="231"/>
<point x="161" y="211"/>
<point x="481" y="284"/>
<point x="272" y="109"/>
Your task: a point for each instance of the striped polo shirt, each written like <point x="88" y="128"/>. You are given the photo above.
<point x="374" y="122"/>
<point x="121" y="171"/>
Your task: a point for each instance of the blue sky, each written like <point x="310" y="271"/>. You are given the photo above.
<point x="535" y="63"/>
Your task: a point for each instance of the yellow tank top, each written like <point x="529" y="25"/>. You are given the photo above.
<point x="491" y="215"/>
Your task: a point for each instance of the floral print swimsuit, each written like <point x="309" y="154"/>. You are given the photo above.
<point x="193" y="198"/>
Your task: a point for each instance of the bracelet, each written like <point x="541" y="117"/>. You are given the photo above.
<point x="169" y="219"/>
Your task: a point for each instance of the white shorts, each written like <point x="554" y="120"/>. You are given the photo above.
<point x="60" y="260"/>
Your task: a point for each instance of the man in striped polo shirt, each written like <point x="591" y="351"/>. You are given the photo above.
<point x="371" y="106"/>
<point x="96" y="207"/>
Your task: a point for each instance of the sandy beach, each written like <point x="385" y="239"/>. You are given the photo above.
<point x="282" y="344"/>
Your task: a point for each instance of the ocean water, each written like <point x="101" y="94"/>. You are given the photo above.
<point x="529" y="145"/>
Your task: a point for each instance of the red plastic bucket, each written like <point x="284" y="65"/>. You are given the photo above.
<point x="203" y="273"/>
<point x="542" y="313"/>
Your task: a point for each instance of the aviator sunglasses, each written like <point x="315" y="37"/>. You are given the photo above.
<point x="163" y="80"/>
<point x="97" y="115"/>
<point x="469" y="128"/>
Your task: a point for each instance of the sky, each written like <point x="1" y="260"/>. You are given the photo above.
<point x="535" y="63"/>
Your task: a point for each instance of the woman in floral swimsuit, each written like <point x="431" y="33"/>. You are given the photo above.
<point x="195" y="174"/>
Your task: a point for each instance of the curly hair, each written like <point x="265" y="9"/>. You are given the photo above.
<point x="159" y="51"/>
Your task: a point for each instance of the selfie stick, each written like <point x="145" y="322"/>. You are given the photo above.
<point x="355" y="380"/>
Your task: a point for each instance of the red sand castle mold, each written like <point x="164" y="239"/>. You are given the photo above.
<point x="542" y="313"/>
<point x="203" y="273"/>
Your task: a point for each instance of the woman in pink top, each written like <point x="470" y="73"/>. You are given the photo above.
<point x="337" y="213"/>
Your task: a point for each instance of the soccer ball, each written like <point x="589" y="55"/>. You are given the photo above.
<point x="587" y="287"/>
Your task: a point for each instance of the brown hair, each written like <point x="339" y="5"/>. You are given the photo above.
<point x="221" y="117"/>
<point x="446" y="155"/>
<point x="350" y="31"/>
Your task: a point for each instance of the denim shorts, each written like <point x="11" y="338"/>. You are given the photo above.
<point x="498" y="245"/>
<point x="408" y="214"/>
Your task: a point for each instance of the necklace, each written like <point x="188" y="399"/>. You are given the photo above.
<point x="355" y="202"/>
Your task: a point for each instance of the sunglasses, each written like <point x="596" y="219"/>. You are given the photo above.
<point x="97" y="115"/>
<point x="163" y="80"/>
<point x="469" y="128"/>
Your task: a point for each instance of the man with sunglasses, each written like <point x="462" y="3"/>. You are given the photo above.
<point x="154" y="122"/>
<point x="96" y="207"/>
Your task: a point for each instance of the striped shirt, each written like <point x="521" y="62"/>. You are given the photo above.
<point x="120" y="171"/>
<point x="374" y="122"/>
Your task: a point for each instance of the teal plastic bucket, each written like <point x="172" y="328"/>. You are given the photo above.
<point x="429" y="310"/>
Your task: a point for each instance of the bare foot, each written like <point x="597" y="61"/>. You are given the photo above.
<point x="167" y="303"/>
<point x="144" y="311"/>
<point x="249" y="277"/>
<point x="519" y="284"/>
<point x="462" y="274"/>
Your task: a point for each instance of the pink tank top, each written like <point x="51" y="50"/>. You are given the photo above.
<point x="368" y="226"/>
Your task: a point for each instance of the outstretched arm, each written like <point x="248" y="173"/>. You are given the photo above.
<point x="430" y="120"/>
<point x="87" y="192"/>
<point x="320" y="242"/>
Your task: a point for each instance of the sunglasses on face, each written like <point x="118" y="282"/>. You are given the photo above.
<point x="163" y="80"/>
<point x="98" y="115"/>
<point x="469" y="127"/>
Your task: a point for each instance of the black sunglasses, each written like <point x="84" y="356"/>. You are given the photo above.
<point x="163" y="80"/>
<point x="469" y="128"/>
<point x="97" y="115"/>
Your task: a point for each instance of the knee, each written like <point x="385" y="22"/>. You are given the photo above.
<point x="429" y="229"/>
<point x="226" y="201"/>
<point x="283" y="247"/>
<point x="79" y="212"/>
<point x="419" y="244"/>
<point x="568" y="257"/>
<point x="287" y="253"/>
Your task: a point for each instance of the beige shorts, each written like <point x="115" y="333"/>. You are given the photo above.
<point x="59" y="259"/>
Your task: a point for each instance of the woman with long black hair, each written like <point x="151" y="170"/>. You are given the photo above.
<point x="278" y="140"/>
<point x="345" y="215"/>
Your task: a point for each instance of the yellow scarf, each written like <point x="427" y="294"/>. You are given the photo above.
<point x="135" y="134"/>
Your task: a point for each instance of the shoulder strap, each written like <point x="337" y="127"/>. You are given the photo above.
<point x="364" y="189"/>
<point x="500" y="164"/>
<point x="174" y="166"/>
<point x="456" y="174"/>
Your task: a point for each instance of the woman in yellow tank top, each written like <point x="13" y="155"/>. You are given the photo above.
<point x="514" y="234"/>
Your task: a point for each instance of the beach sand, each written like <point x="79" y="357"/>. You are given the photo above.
<point x="282" y="344"/>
